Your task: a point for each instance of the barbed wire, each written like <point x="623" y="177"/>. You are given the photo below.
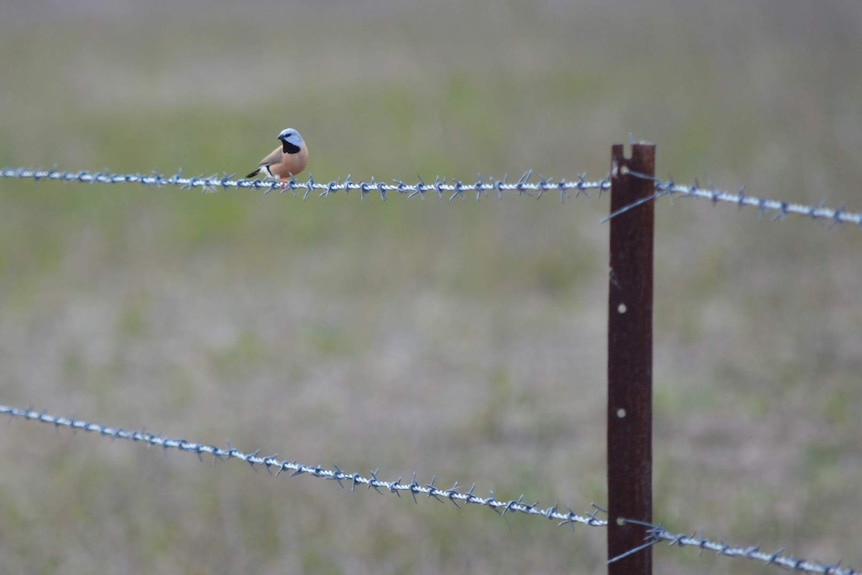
<point x="272" y="464"/>
<point x="654" y="533"/>
<point x="780" y="208"/>
<point x="448" y="188"/>
<point x="657" y="533"/>
<point x="441" y="186"/>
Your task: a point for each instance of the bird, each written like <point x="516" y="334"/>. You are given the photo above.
<point x="287" y="160"/>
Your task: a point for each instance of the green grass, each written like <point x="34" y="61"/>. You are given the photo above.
<point x="463" y="340"/>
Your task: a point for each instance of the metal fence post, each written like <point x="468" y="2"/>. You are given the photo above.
<point x="630" y="310"/>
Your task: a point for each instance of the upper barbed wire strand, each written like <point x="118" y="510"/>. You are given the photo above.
<point x="441" y="186"/>
<point x="779" y="209"/>
<point x="449" y="188"/>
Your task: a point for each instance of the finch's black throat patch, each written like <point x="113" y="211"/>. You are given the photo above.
<point x="289" y="148"/>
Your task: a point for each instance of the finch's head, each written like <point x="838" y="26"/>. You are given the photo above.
<point x="291" y="141"/>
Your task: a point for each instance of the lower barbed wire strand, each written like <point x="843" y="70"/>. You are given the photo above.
<point x="279" y="466"/>
<point x="654" y="534"/>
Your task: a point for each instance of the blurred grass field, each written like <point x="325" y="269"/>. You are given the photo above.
<point x="463" y="340"/>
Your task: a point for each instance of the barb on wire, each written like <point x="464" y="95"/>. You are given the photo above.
<point x="656" y="534"/>
<point x="780" y="208"/>
<point x="272" y="464"/>
<point x="441" y="186"/>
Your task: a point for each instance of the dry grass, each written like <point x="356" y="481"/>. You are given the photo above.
<point x="460" y="340"/>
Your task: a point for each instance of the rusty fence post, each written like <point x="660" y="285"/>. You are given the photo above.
<point x="630" y="310"/>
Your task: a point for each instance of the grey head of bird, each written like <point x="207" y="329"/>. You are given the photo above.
<point x="291" y="141"/>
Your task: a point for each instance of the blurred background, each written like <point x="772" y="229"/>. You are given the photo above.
<point x="463" y="340"/>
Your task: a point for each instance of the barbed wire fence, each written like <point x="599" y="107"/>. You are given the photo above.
<point x="526" y="185"/>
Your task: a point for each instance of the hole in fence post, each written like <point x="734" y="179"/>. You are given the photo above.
<point x="629" y="417"/>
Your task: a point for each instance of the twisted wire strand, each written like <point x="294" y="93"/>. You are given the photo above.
<point x="448" y="188"/>
<point x="443" y="187"/>
<point x="779" y="208"/>
<point x="657" y="533"/>
<point x="273" y="464"/>
<point x="654" y="534"/>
